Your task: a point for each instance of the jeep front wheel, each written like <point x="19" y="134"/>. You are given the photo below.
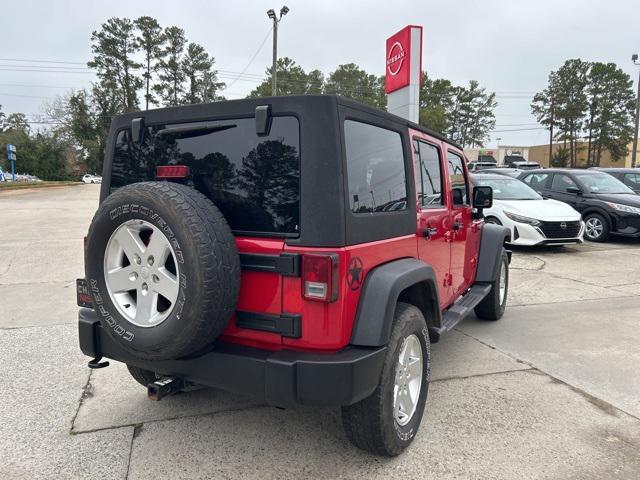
<point x="386" y="422"/>
<point x="492" y="307"/>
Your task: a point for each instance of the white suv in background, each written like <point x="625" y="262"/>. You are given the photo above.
<point x="88" y="178"/>
<point x="531" y="219"/>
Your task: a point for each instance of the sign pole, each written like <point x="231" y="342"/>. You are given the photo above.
<point x="11" y="156"/>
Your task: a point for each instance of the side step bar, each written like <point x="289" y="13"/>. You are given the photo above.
<point x="463" y="307"/>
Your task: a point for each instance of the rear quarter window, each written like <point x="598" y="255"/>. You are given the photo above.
<point x="375" y="168"/>
<point x="254" y="181"/>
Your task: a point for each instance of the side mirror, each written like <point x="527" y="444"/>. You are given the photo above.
<point x="574" y="190"/>
<point x="482" y="197"/>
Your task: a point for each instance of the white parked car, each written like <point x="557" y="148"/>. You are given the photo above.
<point x="88" y="178"/>
<point x="533" y="220"/>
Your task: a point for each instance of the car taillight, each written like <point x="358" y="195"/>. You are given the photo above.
<point x="320" y="277"/>
<point x="172" y="171"/>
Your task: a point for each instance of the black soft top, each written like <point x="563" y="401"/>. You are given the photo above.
<point x="325" y="216"/>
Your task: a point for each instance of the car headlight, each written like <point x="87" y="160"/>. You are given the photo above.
<point x="624" y="208"/>
<point x="521" y="219"/>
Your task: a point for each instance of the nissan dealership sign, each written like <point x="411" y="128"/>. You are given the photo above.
<point x="403" y="72"/>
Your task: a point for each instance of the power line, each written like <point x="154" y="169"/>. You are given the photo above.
<point x="24" y="96"/>
<point x="40" y="61"/>
<point x="252" y="58"/>
<point x="57" y="67"/>
<point x="43" y="71"/>
<point x="518" y="130"/>
<point x="33" y="86"/>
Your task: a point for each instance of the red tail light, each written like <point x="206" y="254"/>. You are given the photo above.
<point x="172" y="171"/>
<point x="320" y="277"/>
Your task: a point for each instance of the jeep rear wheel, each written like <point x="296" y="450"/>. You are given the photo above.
<point x="163" y="270"/>
<point x="386" y="422"/>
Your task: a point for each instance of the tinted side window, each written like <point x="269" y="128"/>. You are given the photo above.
<point x="254" y="181"/>
<point x="537" y="181"/>
<point x="430" y="175"/>
<point x="458" y="180"/>
<point x="632" y="180"/>
<point x="561" y="182"/>
<point x="375" y="168"/>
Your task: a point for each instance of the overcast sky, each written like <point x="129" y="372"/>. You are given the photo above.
<point x="509" y="46"/>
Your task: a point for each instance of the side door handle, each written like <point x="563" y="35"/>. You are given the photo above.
<point x="457" y="226"/>
<point x="429" y="232"/>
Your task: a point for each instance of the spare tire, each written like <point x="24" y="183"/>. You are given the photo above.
<point x="163" y="270"/>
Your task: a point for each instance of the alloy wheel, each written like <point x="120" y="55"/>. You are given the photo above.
<point x="408" y="383"/>
<point x="141" y="273"/>
<point x="594" y="227"/>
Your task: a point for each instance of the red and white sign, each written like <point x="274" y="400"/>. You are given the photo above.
<point x="399" y="59"/>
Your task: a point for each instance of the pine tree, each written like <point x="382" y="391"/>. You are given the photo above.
<point x="150" y="40"/>
<point x="114" y="47"/>
<point x="202" y="79"/>
<point x="351" y="81"/>
<point x="171" y="76"/>
<point x="292" y="80"/>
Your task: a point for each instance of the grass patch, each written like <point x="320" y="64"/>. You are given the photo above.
<point x="21" y="185"/>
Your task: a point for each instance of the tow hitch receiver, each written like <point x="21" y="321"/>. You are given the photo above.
<point x="164" y="387"/>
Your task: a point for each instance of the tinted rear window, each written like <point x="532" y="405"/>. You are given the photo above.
<point x="375" y="168"/>
<point x="254" y="181"/>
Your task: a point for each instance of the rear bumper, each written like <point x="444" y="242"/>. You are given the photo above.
<point x="284" y="379"/>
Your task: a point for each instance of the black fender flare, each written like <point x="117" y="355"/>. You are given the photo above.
<point x="380" y="292"/>
<point x="599" y="210"/>
<point x="491" y="244"/>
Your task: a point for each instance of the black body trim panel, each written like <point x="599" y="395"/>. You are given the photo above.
<point x="283" y="379"/>
<point x="285" y="324"/>
<point x="382" y="287"/>
<point x="285" y="264"/>
<point x="491" y="244"/>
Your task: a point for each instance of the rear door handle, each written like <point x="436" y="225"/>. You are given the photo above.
<point x="429" y="232"/>
<point x="457" y="226"/>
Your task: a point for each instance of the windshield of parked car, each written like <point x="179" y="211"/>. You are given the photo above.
<point x="599" y="182"/>
<point x="507" y="188"/>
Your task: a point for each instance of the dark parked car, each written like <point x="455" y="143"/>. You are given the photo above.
<point x="509" y="159"/>
<point x="607" y="205"/>
<point x="629" y="176"/>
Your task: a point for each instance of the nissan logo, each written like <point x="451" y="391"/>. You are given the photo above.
<point x="395" y="58"/>
<point x="563" y="225"/>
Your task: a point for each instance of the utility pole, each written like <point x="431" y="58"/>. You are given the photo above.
<point x="634" y="152"/>
<point x="276" y="20"/>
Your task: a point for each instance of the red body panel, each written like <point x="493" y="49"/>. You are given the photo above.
<point x="435" y="248"/>
<point x="328" y="326"/>
<point x="464" y="241"/>
<point x="259" y="292"/>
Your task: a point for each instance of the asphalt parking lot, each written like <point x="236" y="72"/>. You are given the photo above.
<point x="550" y="391"/>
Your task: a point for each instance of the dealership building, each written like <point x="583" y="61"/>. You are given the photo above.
<point x="540" y="154"/>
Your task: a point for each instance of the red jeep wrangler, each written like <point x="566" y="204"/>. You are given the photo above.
<point x="302" y="250"/>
